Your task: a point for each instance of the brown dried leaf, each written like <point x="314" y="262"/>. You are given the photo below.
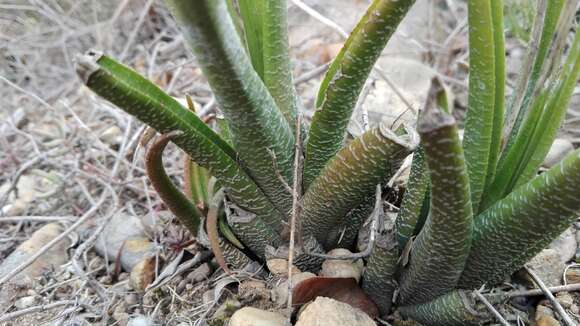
<point x="341" y="289"/>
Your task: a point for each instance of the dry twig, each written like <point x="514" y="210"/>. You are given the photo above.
<point x="296" y="196"/>
<point x="563" y="314"/>
<point x="491" y="308"/>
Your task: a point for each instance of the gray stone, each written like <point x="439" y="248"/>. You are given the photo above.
<point x="325" y="311"/>
<point x="342" y="268"/>
<point x="565" y="245"/>
<point x="548" y="266"/>
<point x="560" y="148"/>
<point x="249" y="316"/>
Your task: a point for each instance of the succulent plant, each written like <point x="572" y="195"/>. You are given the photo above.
<point x="474" y="209"/>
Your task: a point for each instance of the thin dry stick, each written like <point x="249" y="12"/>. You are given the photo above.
<point x="295" y="206"/>
<point x="395" y="89"/>
<point x="54" y="241"/>
<point x="537" y="292"/>
<point x="17" y="219"/>
<point x="491" y="308"/>
<point x="311" y="74"/>
<point x="318" y="16"/>
<point x="100" y="290"/>
<point x="35" y="309"/>
<point x="565" y="317"/>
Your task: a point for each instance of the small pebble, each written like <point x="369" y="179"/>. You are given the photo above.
<point x="279" y="267"/>
<point x="249" y="316"/>
<point x="25" y="302"/>
<point x="342" y="268"/>
<point x="199" y="274"/>
<point x="131" y="299"/>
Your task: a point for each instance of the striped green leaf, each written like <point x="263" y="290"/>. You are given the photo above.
<point x="523" y="158"/>
<point x="142" y="99"/>
<point x="516" y="228"/>
<point x="260" y="133"/>
<point x="480" y="120"/>
<point x="344" y="80"/>
<point x="348" y="180"/>
<point x="437" y="259"/>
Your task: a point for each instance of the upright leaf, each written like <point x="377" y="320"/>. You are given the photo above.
<point x="479" y="122"/>
<point x="437" y="259"/>
<point x="554" y="112"/>
<point x="413" y="199"/>
<point x="261" y="135"/>
<point x="277" y="67"/>
<point x="499" y="93"/>
<point x="252" y="13"/>
<point x="379" y="276"/>
<point x="520" y="162"/>
<point x="344" y="81"/>
<point x="549" y="12"/>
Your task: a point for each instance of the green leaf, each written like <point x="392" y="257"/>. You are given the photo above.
<point x="480" y="121"/>
<point x="437" y="260"/>
<point x="413" y="199"/>
<point x="549" y="11"/>
<point x="174" y="199"/>
<point x="142" y="99"/>
<point x="516" y="228"/>
<point x="415" y="203"/>
<point x="508" y="172"/>
<point x="524" y="157"/>
<point x="252" y="13"/>
<point x="348" y="180"/>
<point x="260" y="133"/>
<point x="457" y="308"/>
<point x="499" y="104"/>
<point x="277" y="67"/>
<point x="379" y="276"/>
<point x="554" y="112"/>
<point x="236" y="19"/>
<point x="196" y="183"/>
<point x="344" y="81"/>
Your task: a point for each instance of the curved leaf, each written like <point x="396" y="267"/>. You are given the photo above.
<point x="260" y="133"/>
<point x="174" y="199"/>
<point x="517" y="227"/>
<point x="349" y="179"/>
<point x="437" y="259"/>
<point x="344" y="81"/>
<point x="142" y="99"/>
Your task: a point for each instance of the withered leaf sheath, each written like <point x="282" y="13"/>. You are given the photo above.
<point x="174" y="199"/>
